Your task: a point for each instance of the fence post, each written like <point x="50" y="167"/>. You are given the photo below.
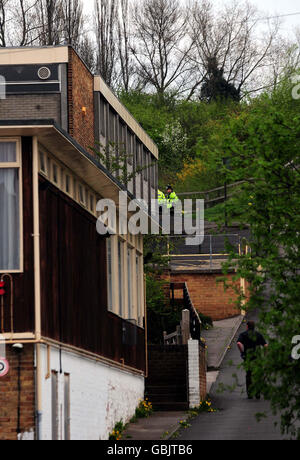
<point x="185" y="326"/>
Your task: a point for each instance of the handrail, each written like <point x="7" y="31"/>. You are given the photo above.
<point x="195" y="321"/>
<point x="207" y="192"/>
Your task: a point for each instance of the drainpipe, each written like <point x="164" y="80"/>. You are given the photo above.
<point x="146" y="330"/>
<point x="18" y="349"/>
<point x="37" y="284"/>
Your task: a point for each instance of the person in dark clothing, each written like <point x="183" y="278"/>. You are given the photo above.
<point x="247" y="343"/>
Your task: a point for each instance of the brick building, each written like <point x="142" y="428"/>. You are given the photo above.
<point x="74" y="300"/>
<point x="208" y="294"/>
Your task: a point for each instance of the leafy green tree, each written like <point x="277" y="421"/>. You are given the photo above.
<point x="115" y="158"/>
<point x="263" y="145"/>
<point x="185" y="132"/>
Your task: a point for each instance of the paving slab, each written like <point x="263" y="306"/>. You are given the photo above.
<point x="219" y="338"/>
<point x="235" y="418"/>
<point x="161" y="425"/>
<point x="211" y="378"/>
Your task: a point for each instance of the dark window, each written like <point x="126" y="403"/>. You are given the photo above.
<point x="112" y="121"/>
<point x="138" y="154"/>
<point x="68" y="184"/>
<point x="153" y="171"/>
<point x="145" y="164"/>
<point x="102" y="117"/>
<point x="130" y="147"/>
<point x="42" y="162"/>
<point x="122" y="137"/>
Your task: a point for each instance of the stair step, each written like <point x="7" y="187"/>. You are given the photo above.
<point x="154" y="399"/>
<point x="171" y="406"/>
<point x="164" y="389"/>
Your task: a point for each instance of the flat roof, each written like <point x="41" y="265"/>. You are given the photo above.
<point x="59" y="55"/>
<point x="34" y="55"/>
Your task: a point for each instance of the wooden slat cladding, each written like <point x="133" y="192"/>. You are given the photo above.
<point x="74" y="283"/>
<point x="23" y="283"/>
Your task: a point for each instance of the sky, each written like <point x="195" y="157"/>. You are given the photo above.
<point x="271" y="7"/>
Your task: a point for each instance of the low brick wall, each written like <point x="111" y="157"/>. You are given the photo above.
<point x="9" y="396"/>
<point x="177" y="376"/>
<point x="208" y="296"/>
<point x="167" y="382"/>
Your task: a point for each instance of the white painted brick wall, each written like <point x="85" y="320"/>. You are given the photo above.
<point x="100" y="396"/>
<point x="194" y="373"/>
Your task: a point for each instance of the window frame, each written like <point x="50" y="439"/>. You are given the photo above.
<point x="16" y="165"/>
<point x="64" y="174"/>
<point x="121" y="278"/>
<point x="139" y="287"/>
<point x="110" y="277"/>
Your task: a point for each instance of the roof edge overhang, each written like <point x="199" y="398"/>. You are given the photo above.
<point x="34" y="55"/>
<point x="59" y="143"/>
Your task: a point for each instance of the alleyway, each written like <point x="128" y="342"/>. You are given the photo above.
<point x="236" y="418"/>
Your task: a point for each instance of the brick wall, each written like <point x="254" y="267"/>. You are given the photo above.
<point x="80" y="94"/>
<point x="30" y="107"/>
<point x="208" y="296"/>
<point x="167" y="382"/>
<point x="9" y="396"/>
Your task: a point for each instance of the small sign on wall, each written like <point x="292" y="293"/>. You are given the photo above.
<point x="4" y="367"/>
<point x="4" y="364"/>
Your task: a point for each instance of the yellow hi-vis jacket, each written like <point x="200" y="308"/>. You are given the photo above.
<point x="172" y="199"/>
<point x="161" y="198"/>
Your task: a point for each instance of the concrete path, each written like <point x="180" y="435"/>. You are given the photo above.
<point x="219" y="338"/>
<point x="159" y="426"/>
<point x="236" y="419"/>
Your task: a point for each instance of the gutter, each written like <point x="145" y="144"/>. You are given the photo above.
<point x="37" y="283"/>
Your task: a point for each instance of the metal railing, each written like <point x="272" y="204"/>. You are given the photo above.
<point x="213" y="196"/>
<point x="180" y="336"/>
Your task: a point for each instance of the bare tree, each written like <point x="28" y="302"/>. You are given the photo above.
<point x="106" y="20"/>
<point x="18" y="25"/>
<point x="285" y="59"/>
<point x="3" y="4"/>
<point x="49" y="17"/>
<point x="231" y="38"/>
<point x="60" y="21"/>
<point x="124" y="46"/>
<point x="87" y="51"/>
<point x="73" y="20"/>
<point x="160" y="45"/>
<point x="25" y="25"/>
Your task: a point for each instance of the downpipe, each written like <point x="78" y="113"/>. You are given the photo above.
<point x="37" y="284"/>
